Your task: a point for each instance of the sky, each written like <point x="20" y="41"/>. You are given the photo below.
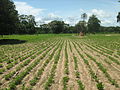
<point x="70" y="11"/>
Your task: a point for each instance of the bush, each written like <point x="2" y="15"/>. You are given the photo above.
<point x="100" y="86"/>
<point x="9" y="61"/>
<point x="77" y="74"/>
<point x="8" y="76"/>
<point x="1" y="60"/>
<point x="12" y="86"/>
<point x="16" y="62"/>
<point x="9" y="66"/>
<point x="33" y="82"/>
<point x="2" y="70"/>
<point x="1" y="65"/>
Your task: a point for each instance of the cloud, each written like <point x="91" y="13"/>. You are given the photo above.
<point x="50" y="17"/>
<point x="24" y="8"/>
<point x="109" y="22"/>
<point x="100" y="13"/>
<point x="106" y="22"/>
<point x="72" y="20"/>
<point x="107" y="18"/>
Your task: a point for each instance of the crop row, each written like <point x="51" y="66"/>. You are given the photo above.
<point x="41" y="70"/>
<point x="21" y="75"/>
<point x="108" y="56"/>
<point x="66" y="69"/>
<point x="99" y="84"/>
<point x="11" y="63"/>
<point x="52" y="72"/>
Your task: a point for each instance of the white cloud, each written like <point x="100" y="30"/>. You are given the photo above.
<point x="24" y="8"/>
<point x="100" y="13"/>
<point x="72" y="20"/>
<point x="106" y="22"/>
<point x="107" y="18"/>
<point x="109" y="22"/>
<point x="50" y="17"/>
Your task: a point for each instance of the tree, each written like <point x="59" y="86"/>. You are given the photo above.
<point x="27" y="24"/>
<point x="72" y="29"/>
<point x="93" y="24"/>
<point x="57" y="26"/>
<point x="8" y="17"/>
<point x="45" y="28"/>
<point x="81" y="27"/>
<point x="66" y="28"/>
<point x="118" y="17"/>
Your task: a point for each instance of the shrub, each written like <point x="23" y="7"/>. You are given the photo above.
<point x="8" y="76"/>
<point x="9" y="66"/>
<point x="33" y="82"/>
<point x="9" y="61"/>
<point x="100" y="86"/>
<point x="1" y="65"/>
<point x="77" y="74"/>
<point x="2" y="70"/>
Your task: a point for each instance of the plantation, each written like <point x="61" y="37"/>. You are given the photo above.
<point x="60" y="62"/>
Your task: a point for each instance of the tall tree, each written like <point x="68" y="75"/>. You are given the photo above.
<point x="27" y="24"/>
<point x="45" y="28"/>
<point x="81" y="27"/>
<point x="8" y="17"/>
<point x="57" y="26"/>
<point x="93" y="24"/>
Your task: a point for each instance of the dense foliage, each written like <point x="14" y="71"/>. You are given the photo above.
<point x="8" y="17"/>
<point x="54" y="27"/>
<point x="81" y="27"/>
<point x="93" y="24"/>
<point x="26" y="25"/>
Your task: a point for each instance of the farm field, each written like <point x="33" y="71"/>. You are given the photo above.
<point x="60" y="62"/>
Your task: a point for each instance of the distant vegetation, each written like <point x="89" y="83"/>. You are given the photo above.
<point x="13" y="23"/>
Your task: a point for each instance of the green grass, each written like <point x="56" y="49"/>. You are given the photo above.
<point x="35" y="38"/>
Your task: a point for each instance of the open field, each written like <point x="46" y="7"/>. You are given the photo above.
<point x="60" y="62"/>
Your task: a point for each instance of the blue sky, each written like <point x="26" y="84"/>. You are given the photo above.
<point x="69" y="10"/>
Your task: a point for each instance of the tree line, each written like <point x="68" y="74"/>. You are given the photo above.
<point x="13" y="23"/>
